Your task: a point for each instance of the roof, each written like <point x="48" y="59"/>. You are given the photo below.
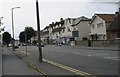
<point x="57" y="29"/>
<point x="115" y="25"/>
<point x="46" y="27"/>
<point x="78" y="20"/>
<point x="45" y="32"/>
<point x="105" y="17"/>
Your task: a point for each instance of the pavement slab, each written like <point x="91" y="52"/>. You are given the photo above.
<point x="12" y="65"/>
<point x="0" y="62"/>
<point x="45" y="67"/>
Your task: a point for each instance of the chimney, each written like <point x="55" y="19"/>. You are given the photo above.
<point x="119" y="10"/>
<point x="116" y="14"/>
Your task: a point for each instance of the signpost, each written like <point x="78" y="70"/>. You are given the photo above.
<point x="75" y="33"/>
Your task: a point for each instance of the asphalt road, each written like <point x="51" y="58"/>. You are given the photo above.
<point x="95" y="62"/>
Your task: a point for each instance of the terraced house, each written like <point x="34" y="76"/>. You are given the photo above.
<point x="71" y="31"/>
<point x="67" y="30"/>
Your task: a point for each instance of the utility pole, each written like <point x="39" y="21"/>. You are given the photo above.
<point x="26" y="43"/>
<point x="38" y="27"/>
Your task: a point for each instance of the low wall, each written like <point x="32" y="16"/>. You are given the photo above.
<point x="100" y="43"/>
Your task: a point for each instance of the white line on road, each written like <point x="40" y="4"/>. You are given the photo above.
<point x="112" y="58"/>
<point x="25" y="52"/>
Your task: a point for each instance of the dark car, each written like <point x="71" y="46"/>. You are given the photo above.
<point x="42" y="45"/>
<point x="16" y="46"/>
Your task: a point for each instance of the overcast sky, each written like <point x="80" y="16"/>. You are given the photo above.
<point x="51" y="11"/>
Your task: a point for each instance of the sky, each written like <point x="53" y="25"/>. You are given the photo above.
<point x="50" y="11"/>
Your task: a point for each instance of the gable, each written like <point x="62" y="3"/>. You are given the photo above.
<point x="97" y="19"/>
<point x="104" y="17"/>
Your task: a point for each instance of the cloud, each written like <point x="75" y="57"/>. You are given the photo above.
<point x="104" y="0"/>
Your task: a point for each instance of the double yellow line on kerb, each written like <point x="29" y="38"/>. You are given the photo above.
<point x="78" y="72"/>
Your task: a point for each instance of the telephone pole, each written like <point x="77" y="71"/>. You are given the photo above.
<point x="38" y="27"/>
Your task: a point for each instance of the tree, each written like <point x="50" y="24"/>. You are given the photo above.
<point x="6" y="38"/>
<point x="22" y="37"/>
<point x="30" y="32"/>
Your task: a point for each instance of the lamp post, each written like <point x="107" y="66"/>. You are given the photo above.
<point x="38" y="27"/>
<point x="13" y="28"/>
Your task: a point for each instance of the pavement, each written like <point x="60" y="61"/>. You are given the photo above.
<point x="44" y="67"/>
<point x="12" y="65"/>
<point x="0" y="62"/>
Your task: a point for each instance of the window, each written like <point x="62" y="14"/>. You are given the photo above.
<point x="93" y="26"/>
<point x="74" y="29"/>
<point x="59" y="32"/>
<point x="63" y="30"/>
<point x="69" y="29"/>
<point x="100" y="25"/>
<point x="118" y="34"/>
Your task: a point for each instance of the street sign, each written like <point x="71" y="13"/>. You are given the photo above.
<point x="75" y="33"/>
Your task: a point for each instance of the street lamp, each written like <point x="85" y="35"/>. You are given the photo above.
<point x="13" y="28"/>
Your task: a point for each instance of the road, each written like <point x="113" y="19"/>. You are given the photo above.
<point x="95" y="62"/>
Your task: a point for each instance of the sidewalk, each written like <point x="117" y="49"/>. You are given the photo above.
<point x="0" y="62"/>
<point x="12" y="65"/>
<point x="43" y="67"/>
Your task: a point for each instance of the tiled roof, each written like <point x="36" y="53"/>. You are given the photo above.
<point x="106" y="17"/>
<point x="57" y="29"/>
<point x="78" y="20"/>
<point x="45" y="32"/>
<point x="46" y="27"/>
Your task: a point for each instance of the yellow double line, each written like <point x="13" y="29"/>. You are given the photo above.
<point x="35" y="68"/>
<point x="78" y="72"/>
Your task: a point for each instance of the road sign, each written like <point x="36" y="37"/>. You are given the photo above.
<point x="75" y="33"/>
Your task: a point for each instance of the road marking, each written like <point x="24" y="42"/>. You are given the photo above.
<point x="35" y="68"/>
<point x="30" y="65"/>
<point x="25" y="52"/>
<point x="78" y="72"/>
<point x="112" y="58"/>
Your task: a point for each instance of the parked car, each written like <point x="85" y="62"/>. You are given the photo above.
<point x="16" y="46"/>
<point x="42" y="45"/>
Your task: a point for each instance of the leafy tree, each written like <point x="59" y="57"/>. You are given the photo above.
<point x="34" y="42"/>
<point x="22" y="36"/>
<point x="29" y="32"/>
<point x="6" y="38"/>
